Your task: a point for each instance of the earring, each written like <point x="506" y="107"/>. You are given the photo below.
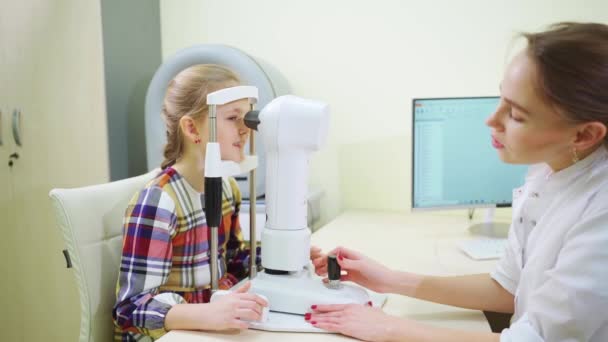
<point x="197" y="140"/>
<point x="574" y="156"/>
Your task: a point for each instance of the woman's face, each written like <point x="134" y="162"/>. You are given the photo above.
<point x="525" y="129"/>
<point x="232" y="134"/>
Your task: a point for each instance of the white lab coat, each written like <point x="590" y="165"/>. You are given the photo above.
<point x="556" y="262"/>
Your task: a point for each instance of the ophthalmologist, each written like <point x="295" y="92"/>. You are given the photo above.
<point x="553" y="115"/>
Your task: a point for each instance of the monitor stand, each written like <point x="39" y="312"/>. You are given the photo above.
<point x="489" y="228"/>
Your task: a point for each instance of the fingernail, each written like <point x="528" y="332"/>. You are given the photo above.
<point x="313" y="322"/>
<point x="313" y="307"/>
<point x="307" y="316"/>
<point x="370" y="303"/>
<point x="340" y="257"/>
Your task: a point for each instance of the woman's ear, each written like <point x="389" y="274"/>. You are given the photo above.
<point x="189" y="129"/>
<point x="589" y="134"/>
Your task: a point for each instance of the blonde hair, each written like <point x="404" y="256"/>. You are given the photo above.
<point x="187" y="95"/>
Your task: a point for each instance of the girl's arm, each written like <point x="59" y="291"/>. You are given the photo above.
<point x="146" y="264"/>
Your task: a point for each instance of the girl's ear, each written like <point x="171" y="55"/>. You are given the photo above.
<point x="189" y="130"/>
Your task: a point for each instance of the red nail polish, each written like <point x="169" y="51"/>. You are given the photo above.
<point x="307" y="316"/>
<point x="340" y="257"/>
<point x="313" y="322"/>
<point x="313" y="307"/>
<point x="370" y="303"/>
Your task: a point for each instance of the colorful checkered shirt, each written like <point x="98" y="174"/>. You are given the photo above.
<point x="166" y="253"/>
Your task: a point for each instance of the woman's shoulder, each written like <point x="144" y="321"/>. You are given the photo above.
<point x="593" y="182"/>
<point x="599" y="168"/>
<point x="597" y="190"/>
<point x="594" y="186"/>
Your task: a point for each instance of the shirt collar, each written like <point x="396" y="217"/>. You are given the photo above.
<point x="542" y="173"/>
<point x="578" y="168"/>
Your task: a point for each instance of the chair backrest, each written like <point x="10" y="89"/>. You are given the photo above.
<point x="91" y="222"/>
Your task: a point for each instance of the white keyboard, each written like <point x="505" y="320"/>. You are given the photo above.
<point x="483" y="248"/>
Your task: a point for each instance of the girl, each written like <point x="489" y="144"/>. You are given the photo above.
<point x="164" y="274"/>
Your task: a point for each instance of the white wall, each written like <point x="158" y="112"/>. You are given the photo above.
<point x="368" y="59"/>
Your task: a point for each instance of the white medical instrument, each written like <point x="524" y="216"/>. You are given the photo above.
<point x="292" y="128"/>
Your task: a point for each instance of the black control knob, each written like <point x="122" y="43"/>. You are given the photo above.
<point x="333" y="271"/>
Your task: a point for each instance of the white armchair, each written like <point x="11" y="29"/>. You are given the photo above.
<point x="90" y="219"/>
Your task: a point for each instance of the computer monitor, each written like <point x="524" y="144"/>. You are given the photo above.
<point x="454" y="163"/>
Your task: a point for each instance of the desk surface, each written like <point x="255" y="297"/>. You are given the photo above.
<point x="421" y="242"/>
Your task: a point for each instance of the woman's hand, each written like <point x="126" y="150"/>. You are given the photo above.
<point x="358" y="321"/>
<point x="361" y="270"/>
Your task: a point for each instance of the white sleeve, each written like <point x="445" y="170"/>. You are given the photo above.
<point x="571" y="304"/>
<point x="521" y="331"/>
<point x="508" y="269"/>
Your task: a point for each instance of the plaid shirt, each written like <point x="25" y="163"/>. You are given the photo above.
<point x="166" y="253"/>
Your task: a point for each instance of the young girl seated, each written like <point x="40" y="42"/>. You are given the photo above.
<point x="164" y="280"/>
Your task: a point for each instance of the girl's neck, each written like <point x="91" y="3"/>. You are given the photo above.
<point x="193" y="172"/>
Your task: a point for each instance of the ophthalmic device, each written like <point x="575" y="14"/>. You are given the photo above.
<point x="292" y="128"/>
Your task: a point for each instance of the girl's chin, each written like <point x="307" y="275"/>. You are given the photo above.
<point x="235" y="158"/>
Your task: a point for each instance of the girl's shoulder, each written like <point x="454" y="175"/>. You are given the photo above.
<point x="231" y="189"/>
<point x="159" y="190"/>
<point x="231" y="195"/>
<point x="164" y="181"/>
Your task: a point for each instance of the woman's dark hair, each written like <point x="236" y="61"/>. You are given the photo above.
<point x="572" y="64"/>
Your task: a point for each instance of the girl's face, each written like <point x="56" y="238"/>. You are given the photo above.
<point x="232" y="134"/>
<point x="525" y="129"/>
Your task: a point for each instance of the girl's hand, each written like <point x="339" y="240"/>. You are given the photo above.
<point x="358" y="321"/>
<point x="319" y="260"/>
<point x="229" y="311"/>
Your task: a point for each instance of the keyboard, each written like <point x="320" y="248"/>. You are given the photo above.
<point x="483" y="248"/>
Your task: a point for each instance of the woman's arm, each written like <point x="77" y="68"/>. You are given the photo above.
<point x="372" y="324"/>
<point x="415" y="331"/>
<point x="477" y="291"/>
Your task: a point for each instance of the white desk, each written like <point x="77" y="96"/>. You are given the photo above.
<point x="422" y="243"/>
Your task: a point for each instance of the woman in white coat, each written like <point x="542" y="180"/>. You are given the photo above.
<point x="553" y="115"/>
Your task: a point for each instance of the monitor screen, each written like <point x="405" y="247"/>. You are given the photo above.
<point x="454" y="163"/>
